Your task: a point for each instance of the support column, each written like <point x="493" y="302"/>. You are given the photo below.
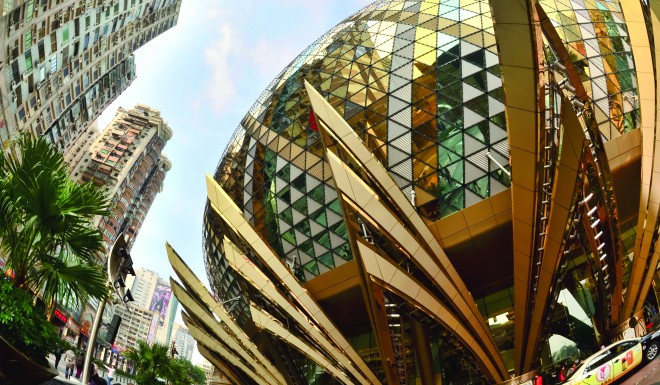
<point x="518" y="51"/>
<point x="423" y="354"/>
<point x="650" y="183"/>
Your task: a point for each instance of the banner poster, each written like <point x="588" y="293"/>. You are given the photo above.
<point x="153" y="328"/>
<point x="160" y="301"/>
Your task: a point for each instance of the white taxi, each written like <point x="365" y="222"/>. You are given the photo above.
<point x="608" y="364"/>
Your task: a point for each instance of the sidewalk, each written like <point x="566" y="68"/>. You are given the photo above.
<point x="73" y="380"/>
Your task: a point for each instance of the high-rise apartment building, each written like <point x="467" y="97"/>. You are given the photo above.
<point x="153" y="299"/>
<point x="127" y="159"/>
<point x="208" y="370"/>
<point x="185" y="343"/>
<point x="66" y="60"/>
<point x="79" y="147"/>
<point x="137" y="324"/>
<point x="143" y="286"/>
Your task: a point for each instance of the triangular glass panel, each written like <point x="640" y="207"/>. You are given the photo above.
<point x="468" y="68"/>
<point x="478" y="80"/>
<point x="470" y="92"/>
<point x="471" y="198"/>
<point x="299" y="183"/>
<point x="307" y="247"/>
<point x="298" y="217"/>
<point x="312" y="268"/>
<point x="301" y="205"/>
<point x="473" y="172"/>
<point x="328" y="260"/>
<point x="470" y="117"/>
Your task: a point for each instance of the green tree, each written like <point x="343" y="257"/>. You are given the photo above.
<point x="198" y="375"/>
<point x="25" y="326"/>
<point x="151" y="363"/>
<point x="46" y="226"/>
<point x="185" y="373"/>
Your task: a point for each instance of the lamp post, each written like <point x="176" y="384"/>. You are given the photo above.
<point x="119" y="265"/>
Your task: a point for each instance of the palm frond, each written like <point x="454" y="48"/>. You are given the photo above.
<point x="63" y="280"/>
<point x="46" y="224"/>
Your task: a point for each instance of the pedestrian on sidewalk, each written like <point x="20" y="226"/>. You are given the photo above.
<point x="58" y="356"/>
<point x="69" y="362"/>
<point x="111" y="372"/>
<point x="94" y="378"/>
<point x="79" y="366"/>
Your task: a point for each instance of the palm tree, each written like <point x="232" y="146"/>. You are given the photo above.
<point x="151" y="363"/>
<point x="46" y="230"/>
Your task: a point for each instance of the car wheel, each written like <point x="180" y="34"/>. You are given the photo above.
<point x="651" y="351"/>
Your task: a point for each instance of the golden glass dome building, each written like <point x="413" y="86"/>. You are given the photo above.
<point x="438" y="192"/>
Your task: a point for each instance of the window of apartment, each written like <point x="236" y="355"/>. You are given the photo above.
<point x="53" y="42"/>
<point x="28" y="61"/>
<point x="28" y="39"/>
<point x="41" y="50"/>
<point x="53" y="64"/>
<point x="21" y="114"/>
<point x="29" y="11"/>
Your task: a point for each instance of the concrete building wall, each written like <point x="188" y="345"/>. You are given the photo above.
<point x="185" y="343"/>
<point x="135" y="325"/>
<point x="143" y="287"/>
<point x="126" y="159"/>
<point x="68" y="60"/>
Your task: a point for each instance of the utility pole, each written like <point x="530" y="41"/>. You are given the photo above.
<point x="119" y="265"/>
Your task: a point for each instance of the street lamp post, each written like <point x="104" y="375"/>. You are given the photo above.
<point x="119" y="265"/>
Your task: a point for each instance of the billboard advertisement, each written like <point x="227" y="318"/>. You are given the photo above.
<point x="160" y="301"/>
<point x="152" y="329"/>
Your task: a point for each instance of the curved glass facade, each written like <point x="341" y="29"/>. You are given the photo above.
<point x="419" y="82"/>
<point x="596" y="37"/>
<point x="471" y="236"/>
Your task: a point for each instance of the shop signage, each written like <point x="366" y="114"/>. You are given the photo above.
<point x="58" y="315"/>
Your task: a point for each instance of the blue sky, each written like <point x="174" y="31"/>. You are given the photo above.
<point x="203" y="75"/>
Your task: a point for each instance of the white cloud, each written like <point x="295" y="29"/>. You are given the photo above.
<point x="268" y="57"/>
<point x="220" y="89"/>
